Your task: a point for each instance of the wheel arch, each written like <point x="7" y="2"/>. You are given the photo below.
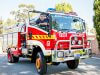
<point x="37" y="46"/>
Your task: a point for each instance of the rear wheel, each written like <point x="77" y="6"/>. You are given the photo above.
<point x="73" y="64"/>
<point x="11" y="58"/>
<point x="16" y="59"/>
<point x="40" y="63"/>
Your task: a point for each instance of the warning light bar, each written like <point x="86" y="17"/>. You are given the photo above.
<point x="51" y="10"/>
<point x="72" y="13"/>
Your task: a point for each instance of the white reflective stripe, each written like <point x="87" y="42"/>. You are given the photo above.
<point x="47" y="52"/>
<point x="35" y="42"/>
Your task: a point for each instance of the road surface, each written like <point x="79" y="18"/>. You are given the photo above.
<point x="89" y="66"/>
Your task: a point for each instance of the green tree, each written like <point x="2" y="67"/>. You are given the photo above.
<point x="7" y="23"/>
<point x="19" y="15"/>
<point x="22" y="13"/>
<point x="1" y="26"/>
<point x="97" y="18"/>
<point x="64" y="7"/>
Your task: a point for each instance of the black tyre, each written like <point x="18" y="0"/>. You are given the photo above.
<point x="72" y="64"/>
<point x="40" y="63"/>
<point x="11" y="58"/>
<point x="16" y="59"/>
<point x="55" y="63"/>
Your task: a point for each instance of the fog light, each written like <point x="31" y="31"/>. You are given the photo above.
<point x="60" y="54"/>
<point x="73" y="42"/>
<point x="79" y="42"/>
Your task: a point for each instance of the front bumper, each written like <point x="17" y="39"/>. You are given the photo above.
<point x="66" y="55"/>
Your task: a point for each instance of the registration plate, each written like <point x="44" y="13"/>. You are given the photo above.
<point x="77" y="52"/>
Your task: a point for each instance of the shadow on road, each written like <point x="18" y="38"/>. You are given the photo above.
<point x="25" y="67"/>
<point x="87" y="66"/>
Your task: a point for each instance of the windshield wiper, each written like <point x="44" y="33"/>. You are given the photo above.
<point x="64" y="30"/>
<point x="68" y="30"/>
<point x="75" y="30"/>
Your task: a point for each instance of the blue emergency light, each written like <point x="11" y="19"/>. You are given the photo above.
<point x="51" y="10"/>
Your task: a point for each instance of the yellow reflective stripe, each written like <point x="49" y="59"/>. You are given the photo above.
<point x="80" y="51"/>
<point x="43" y="37"/>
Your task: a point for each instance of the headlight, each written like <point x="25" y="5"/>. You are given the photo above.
<point x="79" y="42"/>
<point x="73" y="42"/>
<point x="60" y="54"/>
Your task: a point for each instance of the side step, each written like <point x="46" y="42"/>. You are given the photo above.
<point x="29" y="53"/>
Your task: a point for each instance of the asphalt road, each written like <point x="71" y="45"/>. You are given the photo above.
<point x="89" y="66"/>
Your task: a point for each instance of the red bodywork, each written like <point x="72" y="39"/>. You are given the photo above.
<point x="49" y="40"/>
<point x="58" y="36"/>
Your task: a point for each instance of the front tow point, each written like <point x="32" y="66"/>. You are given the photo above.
<point x="77" y="56"/>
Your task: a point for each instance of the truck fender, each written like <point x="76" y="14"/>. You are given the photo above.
<point x="36" y="43"/>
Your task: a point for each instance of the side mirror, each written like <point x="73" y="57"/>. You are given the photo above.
<point x="75" y="20"/>
<point x="50" y="24"/>
<point x="48" y="29"/>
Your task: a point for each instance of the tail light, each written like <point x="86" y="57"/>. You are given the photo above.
<point x="89" y="44"/>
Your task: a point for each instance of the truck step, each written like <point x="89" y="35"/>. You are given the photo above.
<point x="30" y="58"/>
<point x="30" y="50"/>
<point x="29" y="54"/>
<point x="49" y="63"/>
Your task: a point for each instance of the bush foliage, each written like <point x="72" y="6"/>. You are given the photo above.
<point x="97" y="19"/>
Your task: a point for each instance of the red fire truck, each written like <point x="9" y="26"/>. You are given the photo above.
<point x="63" y="40"/>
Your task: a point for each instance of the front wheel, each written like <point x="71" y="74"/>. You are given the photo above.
<point x="40" y="63"/>
<point x="73" y="64"/>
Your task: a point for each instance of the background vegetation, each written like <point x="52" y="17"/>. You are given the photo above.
<point x="97" y="19"/>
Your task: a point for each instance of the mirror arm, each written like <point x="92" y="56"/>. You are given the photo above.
<point x="50" y="25"/>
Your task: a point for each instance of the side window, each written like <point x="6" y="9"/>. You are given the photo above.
<point x="43" y="27"/>
<point x="33" y="21"/>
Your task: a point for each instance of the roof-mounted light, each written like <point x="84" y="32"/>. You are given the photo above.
<point x="72" y="13"/>
<point x="51" y="10"/>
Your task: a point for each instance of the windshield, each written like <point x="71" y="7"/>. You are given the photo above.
<point x="67" y="23"/>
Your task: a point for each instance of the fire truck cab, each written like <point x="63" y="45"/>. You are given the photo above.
<point x="63" y="40"/>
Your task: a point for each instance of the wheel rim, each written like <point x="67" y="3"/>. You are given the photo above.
<point x="38" y="63"/>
